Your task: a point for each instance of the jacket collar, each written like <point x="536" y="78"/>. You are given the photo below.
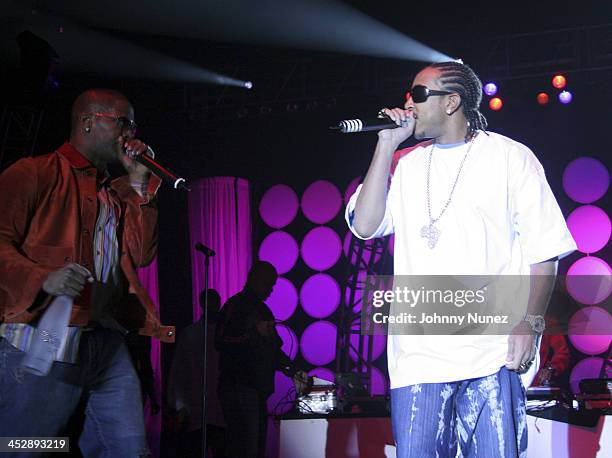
<point x="78" y="161"/>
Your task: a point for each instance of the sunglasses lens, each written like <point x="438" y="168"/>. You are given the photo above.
<point x="419" y="94"/>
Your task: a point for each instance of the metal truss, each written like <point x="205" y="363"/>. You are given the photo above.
<point x="366" y="259"/>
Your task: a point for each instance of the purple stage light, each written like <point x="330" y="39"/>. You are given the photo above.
<point x="323" y="373"/>
<point x="586" y="180"/>
<point x="588" y="330"/>
<point x="565" y="97"/>
<point x="320" y="296"/>
<point x="281" y="401"/>
<point x="290" y="340"/>
<point x="321" y="202"/>
<point x="379" y="384"/>
<point x="490" y="89"/>
<point x="278" y="206"/>
<point x="379" y="344"/>
<point x="590" y="227"/>
<point x="321" y="248"/>
<point x="366" y="253"/>
<point x="350" y="190"/>
<point x="587" y="368"/>
<point x="318" y="343"/>
<point x="281" y="250"/>
<point x="283" y="300"/>
<point x="589" y="280"/>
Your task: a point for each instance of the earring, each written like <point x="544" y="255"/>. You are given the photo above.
<point x="87" y="129"/>
<point x="448" y="112"/>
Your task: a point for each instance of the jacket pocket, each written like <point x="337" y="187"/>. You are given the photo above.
<point x="49" y="256"/>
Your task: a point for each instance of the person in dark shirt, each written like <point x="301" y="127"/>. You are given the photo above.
<point x="249" y="354"/>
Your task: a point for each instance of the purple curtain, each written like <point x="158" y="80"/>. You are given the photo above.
<point x="220" y="218"/>
<point x="148" y="278"/>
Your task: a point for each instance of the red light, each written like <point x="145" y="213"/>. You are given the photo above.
<point x="496" y="104"/>
<point x="542" y="98"/>
<point x="559" y="81"/>
<point x="407" y="95"/>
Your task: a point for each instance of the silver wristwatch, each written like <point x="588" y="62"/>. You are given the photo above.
<point x="537" y="322"/>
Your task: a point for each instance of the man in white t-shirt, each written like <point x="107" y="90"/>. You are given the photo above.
<point x="464" y="202"/>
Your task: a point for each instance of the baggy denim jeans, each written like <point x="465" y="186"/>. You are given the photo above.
<point x="31" y="405"/>
<point x="481" y="417"/>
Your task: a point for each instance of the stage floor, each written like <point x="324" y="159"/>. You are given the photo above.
<point x="371" y="437"/>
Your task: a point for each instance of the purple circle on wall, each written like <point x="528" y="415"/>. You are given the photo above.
<point x="290" y="340"/>
<point x="318" y="343"/>
<point x="280" y="249"/>
<point x="281" y="401"/>
<point x="321" y="248"/>
<point x="323" y="373"/>
<point x="321" y="202"/>
<point x="590" y="227"/>
<point x="590" y="330"/>
<point x="379" y="385"/>
<point x="350" y="190"/>
<point x="589" y="280"/>
<point x="378" y="346"/>
<point x="320" y="296"/>
<point x="586" y="180"/>
<point x="366" y="253"/>
<point x="283" y="300"/>
<point x="587" y="368"/>
<point x="278" y="206"/>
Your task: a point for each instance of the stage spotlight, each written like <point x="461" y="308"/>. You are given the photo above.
<point x="565" y="97"/>
<point x="496" y="104"/>
<point x="248" y="84"/>
<point x="490" y="89"/>
<point x="325" y="25"/>
<point x="559" y="81"/>
<point x="542" y="98"/>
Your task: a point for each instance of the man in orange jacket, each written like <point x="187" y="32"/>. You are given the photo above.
<point x="68" y="229"/>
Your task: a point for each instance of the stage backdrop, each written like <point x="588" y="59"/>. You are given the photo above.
<point x="220" y="218"/>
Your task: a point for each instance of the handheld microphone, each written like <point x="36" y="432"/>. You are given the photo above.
<point x="204" y="249"/>
<point x="350" y="126"/>
<point x="161" y="171"/>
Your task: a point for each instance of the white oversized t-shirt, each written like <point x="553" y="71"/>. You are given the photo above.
<point x="502" y="217"/>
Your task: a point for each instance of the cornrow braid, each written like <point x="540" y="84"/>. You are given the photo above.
<point x="460" y="78"/>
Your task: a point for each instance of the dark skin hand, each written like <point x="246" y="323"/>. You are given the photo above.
<point x="69" y="280"/>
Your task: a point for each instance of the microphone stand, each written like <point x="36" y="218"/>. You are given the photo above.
<point x="205" y="361"/>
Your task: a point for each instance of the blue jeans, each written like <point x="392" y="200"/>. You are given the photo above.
<point x="31" y="405"/>
<point x="484" y="417"/>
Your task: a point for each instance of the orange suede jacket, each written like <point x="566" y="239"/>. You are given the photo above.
<point x="48" y="211"/>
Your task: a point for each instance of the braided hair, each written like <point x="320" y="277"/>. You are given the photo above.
<point x="460" y="78"/>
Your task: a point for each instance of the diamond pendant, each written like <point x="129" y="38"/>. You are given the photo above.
<point x="431" y="233"/>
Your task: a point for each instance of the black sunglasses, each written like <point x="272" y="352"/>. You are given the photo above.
<point x="122" y="121"/>
<point x="420" y="93"/>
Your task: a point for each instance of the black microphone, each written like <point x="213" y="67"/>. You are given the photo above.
<point x="204" y="249"/>
<point x="349" y="126"/>
<point x="161" y="171"/>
